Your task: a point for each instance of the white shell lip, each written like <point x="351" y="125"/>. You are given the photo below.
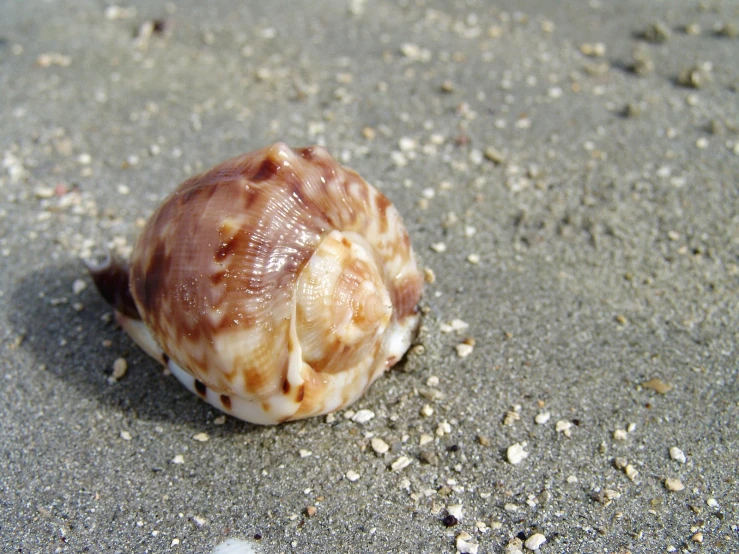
<point x="216" y="280"/>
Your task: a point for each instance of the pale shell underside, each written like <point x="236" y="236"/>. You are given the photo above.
<point x="278" y="285"/>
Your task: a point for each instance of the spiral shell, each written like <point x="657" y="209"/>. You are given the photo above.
<point x="278" y="285"/>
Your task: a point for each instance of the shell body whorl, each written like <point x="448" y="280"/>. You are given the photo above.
<point x="277" y="285"/>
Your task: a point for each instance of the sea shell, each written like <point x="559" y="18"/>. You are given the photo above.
<point x="278" y="285"/>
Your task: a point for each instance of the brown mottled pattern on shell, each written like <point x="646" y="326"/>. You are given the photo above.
<point x="221" y="256"/>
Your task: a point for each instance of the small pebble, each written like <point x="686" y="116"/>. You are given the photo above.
<point x="564" y="427"/>
<point x="178" y="460"/>
<point x="352" y="475"/>
<point x="449" y="521"/>
<point x="379" y="445"/>
<point x="363" y="416"/>
<point x="126" y="436"/>
<point x="78" y="286"/>
<point x="464" y="349"/>
<point x="427" y="411"/>
<point x="542" y="417"/>
<point x="657" y="33"/>
<point x="120" y="366"/>
<point x="516" y="453"/>
<point x="401" y="463"/>
<point x="465" y="545"/>
<point x="201" y="437"/>
<point x="619" y="435"/>
<point x="657" y="385"/>
<point x="674" y="485"/>
<point x="535" y="541"/>
<point x="677" y="455"/>
<point x="310" y="511"/>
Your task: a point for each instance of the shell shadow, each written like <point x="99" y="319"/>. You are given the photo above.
<point x="76" y="340"/>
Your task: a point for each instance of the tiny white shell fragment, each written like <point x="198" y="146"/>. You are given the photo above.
<point x="401" y="463"/>
<point x="425" y="439"/>
<point x="535" y="541"/>
<point x="363" y="416"/>
<point x="201" y="437"/>
<point x="427" y="411"/>
<point x="542" y="417"/>
<point x="438" y="247"/>
<point x="465" y="545"/>
<point x="352" y="475"/>
<point x="516" y="453"/>
<point x="677" y="455"/>
<point x="198" y="520"/>
<point x="304" y="453"/>
<point x="179" y="459"/>
<point x="432" y="381"/>
<point x="235" y="546"/>
<point x="126" y="436"/>
<point x="619" y="435"/>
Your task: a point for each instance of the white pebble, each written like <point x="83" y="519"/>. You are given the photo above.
<point x="535" y="541"/>
<point x="712" y="503"/>
<point x="432" y="381"/>
<point x="465" y="544"/>
<point x="438" y="247"/>
<point x="542" y="417"/>
<point x="201" y="437"/>
<point x="425" y="439"/>
<point x="677" y="455"/>
<point x="363" y="416"/>
<point x="352" y="475"/>
<point x="564" y="427"/>
<point x="179" y="459"/>
<point x="464" y="349"/>
<point x="401" y="463"/>
<point x="78" y="286"/>
<point x="126" y="436"/>
<point x="379" y="445"/>
<point x="619" y="435"/>
<point x="427" y="411"/>
<point x="674" y="485"/>
<point x="516" y="453"/>
<point x="304" y="453"/>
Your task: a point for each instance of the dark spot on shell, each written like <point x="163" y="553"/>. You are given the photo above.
<point x="286" y="387"/>
<point x="226" y="401"/>
<point x="265" y="171"/>
<point x="151" y="282"/>
<point x="301" y="393"/>
<point x="225" y="250"/>
<point x="165" y="358"/>
<point x="201" y="388"/>
<point x="345" y="242"/>
<point x="216" y="278"/>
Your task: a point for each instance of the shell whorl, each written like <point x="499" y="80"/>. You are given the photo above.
<point x="280" y="278"/>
